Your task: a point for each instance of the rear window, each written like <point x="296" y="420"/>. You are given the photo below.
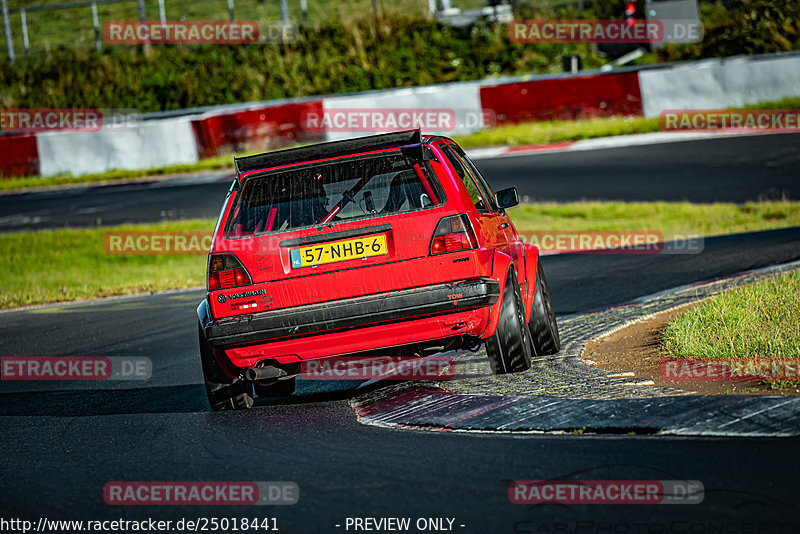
<point x="342" y="190"/>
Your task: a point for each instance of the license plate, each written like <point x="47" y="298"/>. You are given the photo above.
<point x="336" y="251"/>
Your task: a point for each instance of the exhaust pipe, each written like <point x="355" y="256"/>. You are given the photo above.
<point x="267" y="372"/>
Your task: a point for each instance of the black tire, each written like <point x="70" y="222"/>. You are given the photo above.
<point x="542" y="323"/>
<point x="224" y="393"/>
<point x="279" y="388"/>
<point x="509" y="349"/>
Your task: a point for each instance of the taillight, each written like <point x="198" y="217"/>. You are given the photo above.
<point x="453" y="234"/>
<point x="225" y="271"/>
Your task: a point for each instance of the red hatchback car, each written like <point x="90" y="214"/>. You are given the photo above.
<point x="391" y="241"/>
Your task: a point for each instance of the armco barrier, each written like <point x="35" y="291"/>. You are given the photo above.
<point x="19" y="155"/>
<point x="567" y="98"/>
<point x="261" y="128"/>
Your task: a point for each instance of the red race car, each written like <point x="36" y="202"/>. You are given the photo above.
<point x="390" y="243"/>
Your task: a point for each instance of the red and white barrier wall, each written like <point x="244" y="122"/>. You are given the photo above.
<point x="707" y="84"/>
<point x="19" y="155"/>
<point x="568" y="98"/>
<point x="259" y="128"/>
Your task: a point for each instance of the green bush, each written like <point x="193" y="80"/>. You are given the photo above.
<point x="736" y="27"/>
<point x="333" y="59"/>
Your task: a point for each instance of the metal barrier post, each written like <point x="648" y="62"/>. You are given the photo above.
<point x="285" y="12"/>
<point x="7" y="31"/>
<point x="304" y="9"/>
<point x="96" y="23"/>
<point x="143" y="19"/>
<point x="431" y="7"/>
<point x="23" y="18"/>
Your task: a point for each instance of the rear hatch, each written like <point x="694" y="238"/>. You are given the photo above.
<point x="329" y="229"/>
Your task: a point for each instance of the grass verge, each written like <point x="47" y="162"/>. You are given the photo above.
<point x="666" y="217"/>
<point x="756" y="321"/>
<point x="66" y="265"/>
<point x="540" y="133"/>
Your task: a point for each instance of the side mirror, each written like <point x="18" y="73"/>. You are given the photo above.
<point x="507" y="198"/>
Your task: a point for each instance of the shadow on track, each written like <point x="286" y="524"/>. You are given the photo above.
<point x="189" y="398"/>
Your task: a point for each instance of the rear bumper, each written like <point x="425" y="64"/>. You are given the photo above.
<point x="347" y="314"/>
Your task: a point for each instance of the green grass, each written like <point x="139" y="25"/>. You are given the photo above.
<point x="66" y="265"/>
<point x="755" y="321"/>
<point x="538" y="133"/>
<point x="785" y="103"/>
<point x="666" y="217"/>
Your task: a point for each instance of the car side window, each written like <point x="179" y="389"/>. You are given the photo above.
<point x="488" y="192"/>
<point x="466" y="178"/>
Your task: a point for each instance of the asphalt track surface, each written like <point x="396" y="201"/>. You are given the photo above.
<point x="730" y="169"/>
<point x="62" y="442"/>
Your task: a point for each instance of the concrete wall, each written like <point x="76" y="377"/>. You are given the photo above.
<point x="719" y="84"/>
<point x="149" y="144"/>
<point x="463" y="99"/>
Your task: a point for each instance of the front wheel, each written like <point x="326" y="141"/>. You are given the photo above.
<point x="542" y="325"/>
<point x="224" y="392"/>
<point x="509" y="349"/>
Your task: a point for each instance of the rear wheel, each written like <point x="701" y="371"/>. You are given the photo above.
<point x="224" y="392"/>
<point x="509" y="349"/>
<point x="543" y="326"/>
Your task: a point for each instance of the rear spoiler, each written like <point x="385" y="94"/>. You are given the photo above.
<point x="410" y="142"/>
